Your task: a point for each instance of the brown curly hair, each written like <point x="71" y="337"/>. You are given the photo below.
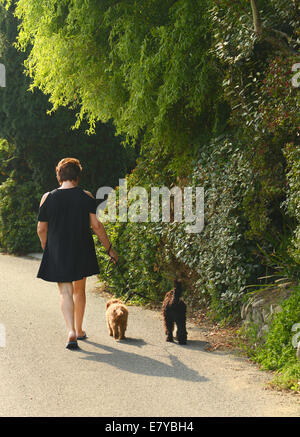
<point x="68" y="169"/>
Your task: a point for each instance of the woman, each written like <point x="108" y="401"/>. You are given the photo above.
<point x="65" y="217"/>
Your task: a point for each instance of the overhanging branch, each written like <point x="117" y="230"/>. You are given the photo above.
<point x="256" y="18"/>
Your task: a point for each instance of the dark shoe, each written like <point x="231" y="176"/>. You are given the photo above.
<point x="83" y="337"/>
<point x="72" y="345"/>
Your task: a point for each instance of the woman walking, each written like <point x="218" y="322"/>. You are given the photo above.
<point x="65" y="217"/>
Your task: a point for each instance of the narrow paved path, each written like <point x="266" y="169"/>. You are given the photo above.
<point x="143" y="376"/>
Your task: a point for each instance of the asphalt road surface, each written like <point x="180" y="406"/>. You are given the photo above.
<point x="142" y="376"/>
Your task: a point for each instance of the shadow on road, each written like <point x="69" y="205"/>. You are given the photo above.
<point x="139" y="342"/>
<point x="138" y="364"/>
<point x="197" y="344"/>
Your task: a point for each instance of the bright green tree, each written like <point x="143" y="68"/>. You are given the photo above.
<point x="42" y="140"/>
<point x="145" y="64"/>
<point x="37" y="141"/>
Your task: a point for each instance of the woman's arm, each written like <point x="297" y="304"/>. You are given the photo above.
<point x="42" y="230"/>
<point x="99" y="230"/>
<point x="42" y="227"/>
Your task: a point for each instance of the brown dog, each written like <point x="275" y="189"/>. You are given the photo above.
<point x="116" y="318"/>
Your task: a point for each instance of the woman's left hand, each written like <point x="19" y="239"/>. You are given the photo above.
<point x="113" y="255"/>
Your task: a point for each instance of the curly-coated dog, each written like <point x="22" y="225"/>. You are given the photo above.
<point x="174" y="312"/>
<point x="116" y="318"/>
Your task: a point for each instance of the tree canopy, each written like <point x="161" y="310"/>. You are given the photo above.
<point x="144" y="64"/>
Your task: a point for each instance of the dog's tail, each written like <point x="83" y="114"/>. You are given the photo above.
<point x="177" y="290"/>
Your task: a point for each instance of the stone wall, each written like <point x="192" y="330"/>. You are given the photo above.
<point x="261" y="306"/>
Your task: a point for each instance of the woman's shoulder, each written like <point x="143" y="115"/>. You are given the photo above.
<point x="44" y="197"/>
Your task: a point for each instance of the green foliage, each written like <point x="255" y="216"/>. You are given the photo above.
<point x="279" y="260"/>
<point x="277" y="352"/>
<point x="265" y="114"/>
<point x="265" y="106"/>
<point x="19" y="201"/>
<point x="7" y="157"/>
<point x="18" y="216"/>
<point x="288" y="377"/>
<point x="215" y="264"/>
<point x="38" y="135"/>
<point x="239" y="36"/>
<point x="279" y="103"/>
<point x="137" y="247"/>
<point x="292" y="154"/>
<point x="144" y="64"/>
<point x="220" y="255"/>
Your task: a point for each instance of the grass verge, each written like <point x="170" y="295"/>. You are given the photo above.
<point x="276" y="352"/>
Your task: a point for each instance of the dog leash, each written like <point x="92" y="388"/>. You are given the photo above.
<point x="130" y="294"/>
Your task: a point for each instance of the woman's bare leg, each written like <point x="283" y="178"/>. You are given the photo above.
<point x="79" y="304"/>
<point x="67" y="307"/>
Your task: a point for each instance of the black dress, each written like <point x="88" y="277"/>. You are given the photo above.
<point x="69" y="254"/>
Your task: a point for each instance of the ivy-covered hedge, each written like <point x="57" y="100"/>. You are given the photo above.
<point x="138" y="248"/>
<point x="216" y="263"/>
<point x="292" y="154"/>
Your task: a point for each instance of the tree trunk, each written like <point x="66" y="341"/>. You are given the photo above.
<point x="256" y="18"/>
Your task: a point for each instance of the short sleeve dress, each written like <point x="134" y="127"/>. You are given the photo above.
<point x="69" y="254"/>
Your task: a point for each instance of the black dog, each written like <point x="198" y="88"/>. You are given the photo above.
<point x="174" y="311"/>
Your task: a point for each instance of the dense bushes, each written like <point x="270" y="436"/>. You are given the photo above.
<point x="221" y="255"/>
<point x="138" y="246"/>
<point x="19" y="201"/>
<point x="217" y="263"/>
<point x="18" y="216"/>
<point x="292" y="154"/>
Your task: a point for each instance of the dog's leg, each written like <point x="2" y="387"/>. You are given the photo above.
<point x="115" y="332"/>
<point x="181" y="329"/>
<point x="109" y="327"/>
<point x="124" y="325"/>
<point x="122" y="329"/>
<point x="181" y="335"/>
<point x="169" y="324"/>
